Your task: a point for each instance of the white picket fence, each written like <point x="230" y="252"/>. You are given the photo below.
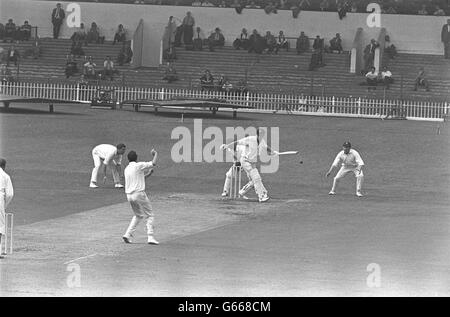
<point x="271" y="103"/>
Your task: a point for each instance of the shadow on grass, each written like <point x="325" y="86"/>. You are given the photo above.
<point x="225" y="115"/>
<point x="36" y="111"/>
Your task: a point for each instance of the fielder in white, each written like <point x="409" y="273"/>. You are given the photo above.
<point x="6" y="195"/>
<point x="104" y="155"/>
<point x="238" y="150"/>
<point x="135" y="174"/>
<point x="350" y="161"/>
<point x="252" y="146"/>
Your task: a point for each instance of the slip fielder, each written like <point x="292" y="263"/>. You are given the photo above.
<point x="252" y="145"/>
<point x="350" y="162"/>
<point x="104" y="155"/>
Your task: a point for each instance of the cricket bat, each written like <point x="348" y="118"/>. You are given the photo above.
<point x="285" y="153"/>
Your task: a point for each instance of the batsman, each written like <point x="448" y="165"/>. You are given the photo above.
<point x="251" y="147"/>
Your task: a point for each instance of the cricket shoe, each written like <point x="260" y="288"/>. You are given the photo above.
<point x="359" y="194"/>
<point x="332" y="193"/>
<point x="126" y="239"/>
<point x="93" y="185"/>
<point x="264" y="199"/>
<point x="118" y="186"/>
<point x="152" y="240"/>
<point x="224" y="194"/>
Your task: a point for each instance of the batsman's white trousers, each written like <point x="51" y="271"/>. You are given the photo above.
<point x="228" y="176"/>
<point x="142" y="209"/>
<point x="255" y="178"/>
<point x="343" y="171"/>
<point x="98" y="162"/>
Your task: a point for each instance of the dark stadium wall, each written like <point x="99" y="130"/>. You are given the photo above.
<point x="413" y="34"/>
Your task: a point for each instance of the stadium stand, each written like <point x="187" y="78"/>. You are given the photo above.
<point x="410" y="7"/>
<point x="286" y="72"/>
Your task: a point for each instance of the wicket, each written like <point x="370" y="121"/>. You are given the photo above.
<point x="7" y="239"/>
<point x="235" y="185"/>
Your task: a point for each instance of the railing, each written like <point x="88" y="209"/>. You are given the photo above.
<point x="258" y="102"/>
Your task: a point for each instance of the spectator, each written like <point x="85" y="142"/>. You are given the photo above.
<point x="445" y="38"/>
<point x="389" y="48"/>
<point x="35" y="50"/>
<point x="252" y="5"/>
<point x="80" y="35"/>
<point x="207" y="81"/>
<point x="369" y="54"/>
<point x="227" y="86"/>
<point x="423" y="11"/>
<point x="58" y="16"/>
<point x="10" y="31"/>
<point x="222" y="4"/>
<point x="171" y="31"/>
<point x="77" y="48"/>
<point x="89" y="70"/>
<point x="206" y="3"/>
<point x="439" y="12"/>
<point x="319" y="47"/>
<point x="170" y="74"/>
<point x="256" y="43"/>
<point x="199" y="38"/>
<point x="216" y="39"/>
<point x="372" y="78"/>
<point x="391" y="10"/>
<point x="188" y="28"/>
<point x="421" y="80"/>
<point x="386" y="77"/>
<point x="170" y="53"/>
<point x="108" y="68"/>
<point x="242" y="41"/>
<point x="71" y="66"/>
<point x="2" y="31"/>
<point x="125" y="54"/>
<point x="93" y="35"/>
<point x="302" y="44"/>
<point x="354" y="8"/>
<point x="325" y="5"/>
<point x="13" y="56"/>
<point x="196" y="3"/>
<point x="25" y="31"/>
<point x="336" y="44"/>
<point x="241" y="86"/>
<point x="271" y="43"/>
<point x="6" y="74"/>
<point x="120" y="35"/>
<point x="295" y="8"/>
<point x="282" y="42"/>
<point x="270" y="8"/>
<point x="238" y="6"/>
<point x="220" y="82"/>
<point x="342" y="9"/>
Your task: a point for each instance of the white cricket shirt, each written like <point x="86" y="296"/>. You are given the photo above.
<point x="6" y="189"/>
<point x="251" y="148"/>
<point x="135" y="176"/>
<point x="352" y="159"/>
<point x="108" y="153"/>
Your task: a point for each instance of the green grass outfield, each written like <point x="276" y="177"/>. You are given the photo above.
<point x="302" y="242"/>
